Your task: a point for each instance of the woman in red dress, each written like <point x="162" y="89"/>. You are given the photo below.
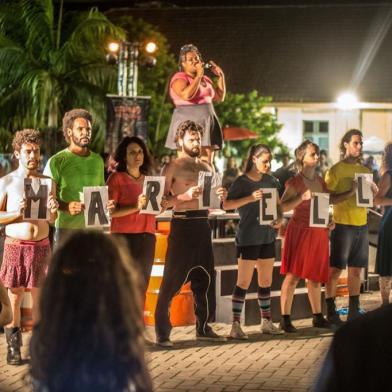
<point x="305" y="249"/>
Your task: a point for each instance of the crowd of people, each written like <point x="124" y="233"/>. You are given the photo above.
<point x="87" y="300"/>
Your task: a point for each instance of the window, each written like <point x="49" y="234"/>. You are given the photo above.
<point x="317" y="132"/>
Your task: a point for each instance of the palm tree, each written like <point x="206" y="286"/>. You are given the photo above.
<point x="50" y="62"/>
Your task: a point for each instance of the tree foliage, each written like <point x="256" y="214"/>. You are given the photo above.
<point x="51" y="62"/>
<point x="153" y="81"/>
<point x="246" y="111"/>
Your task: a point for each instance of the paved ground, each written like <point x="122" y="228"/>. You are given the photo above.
<point x="264" y="363"/>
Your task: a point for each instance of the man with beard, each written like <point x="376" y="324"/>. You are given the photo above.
<point x="26" y="247"/>
<point x="72" y="169"/>
<point x="189" y="254"/>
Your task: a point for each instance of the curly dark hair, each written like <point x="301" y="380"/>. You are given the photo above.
<point x="346" y="139"/>
<point x="255" y="151"/>
<point x="25" y="136"/>
<point x="184" y="127"/>
<point x="120" y="155"/>
<point x="300" y="152"/>
<point x="71" y="116"/>
<point x="186" y="49"/>
<point x="90" y="335"/>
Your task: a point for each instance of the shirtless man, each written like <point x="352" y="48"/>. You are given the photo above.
<point x="189" y="255"/>
<point x="27" y="245"/>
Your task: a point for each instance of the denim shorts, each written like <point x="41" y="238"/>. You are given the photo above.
<point x="254" y="252"/>
<point x="349" y="246"/>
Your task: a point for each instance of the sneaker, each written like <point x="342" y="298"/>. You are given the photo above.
<point x="164" y="343"/>
<point x="267" y="326"/>
<point x="210" y="335"/>
<point x="237" y="333"/>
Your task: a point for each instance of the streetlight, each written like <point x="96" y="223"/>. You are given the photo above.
<point x="347" y="101"/>
<point x="126" y="54"/>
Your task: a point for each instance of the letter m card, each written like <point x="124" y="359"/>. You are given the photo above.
<point x="36" y="193"/>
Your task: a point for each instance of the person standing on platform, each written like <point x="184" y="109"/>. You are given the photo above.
<point x="349" y="240"/>
<point x="72" y="169"/>
<point x="193" y="94"/>
<point x="26" y="247"/>
<point x="255" y="243"/>
<point x="306" y="249"/>
<point x="189" y="254"/>
<point x="125" y="188"/>
<point x="384" y="248"/>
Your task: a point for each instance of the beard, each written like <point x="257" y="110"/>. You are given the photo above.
<point x="82" y="142"/>
<point x="192" y="152"/>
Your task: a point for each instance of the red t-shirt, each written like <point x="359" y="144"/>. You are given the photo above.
<point x="125" y="191"/>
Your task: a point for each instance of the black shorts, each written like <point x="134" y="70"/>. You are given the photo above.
<point x="254" y="252"/>
<point x="349" y="246"/>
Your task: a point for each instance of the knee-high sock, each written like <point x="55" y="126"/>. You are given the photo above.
<point x="264" y="299"/>
<point x="238" y="300"/>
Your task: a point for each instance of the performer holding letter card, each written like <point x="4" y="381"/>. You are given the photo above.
<point x="26" y="196"/>
<point x="350" y="239"/>
<point x="306" y="247"/>
<point x="133" y="165"/>
<point x="252" y="193"/>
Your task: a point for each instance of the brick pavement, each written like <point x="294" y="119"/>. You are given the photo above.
<point x="264" y="363"/>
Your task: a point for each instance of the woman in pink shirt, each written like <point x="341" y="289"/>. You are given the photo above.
<point x="126" y="187"/>
<point x="193" y="94"/>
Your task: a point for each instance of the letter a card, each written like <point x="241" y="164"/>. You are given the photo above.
<point x="364" y="194"/>
<point x="153" y="188"/>
<point x="209" y="182"/>
<point x="319" y="210"/>
<point x="268" y="206"/>
<point x="96" y="213"/>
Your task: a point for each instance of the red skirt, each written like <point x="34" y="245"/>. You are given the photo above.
<point x="306" y="252"/>
<point x="24" y="263"/>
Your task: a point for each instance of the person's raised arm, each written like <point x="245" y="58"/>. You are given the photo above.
<point x="187" y="90"/>
<point x="220" y="89"/>
<point x="383" y="186"/>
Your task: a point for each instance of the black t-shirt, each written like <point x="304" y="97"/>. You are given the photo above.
<point x="250" y="232"/>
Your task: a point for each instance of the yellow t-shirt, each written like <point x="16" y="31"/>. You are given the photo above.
<point x="339" y="179"/>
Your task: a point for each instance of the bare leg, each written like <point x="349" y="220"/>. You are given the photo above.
<point x="35" y="295"/>
<point x="207" y="155"/>
<point x="334" y="274"/>
<point x="314" y="294"/>
<point x="385" y="288"/>
<point x="264" y="272"/>
<point x="16" y="296"/>
<point x="287" y="293"/>
<point x="245" y="273"/>
<point x="354" y="280"/>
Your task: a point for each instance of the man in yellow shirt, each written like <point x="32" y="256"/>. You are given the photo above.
<point x="349" y="240"/>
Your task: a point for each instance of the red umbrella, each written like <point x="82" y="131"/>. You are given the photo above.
<point x="237" y="133"/>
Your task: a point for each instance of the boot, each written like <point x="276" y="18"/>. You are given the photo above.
<point x="14" y="342"/>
